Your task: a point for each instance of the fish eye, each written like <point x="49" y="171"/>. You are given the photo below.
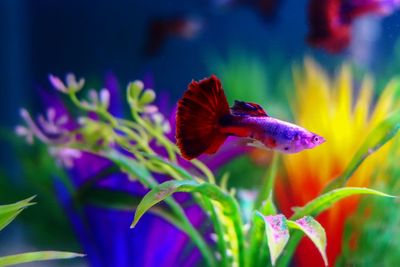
<point x="315" y="139"/>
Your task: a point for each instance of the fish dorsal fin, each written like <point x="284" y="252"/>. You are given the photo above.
<point x="242" y="108"/>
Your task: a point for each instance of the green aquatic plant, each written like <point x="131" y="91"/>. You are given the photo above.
<point x="7" y="214"/>
<point x="139" y="146"/>
<point x="373" y="243"/>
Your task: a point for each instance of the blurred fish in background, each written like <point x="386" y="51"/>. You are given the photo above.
<point x="330" y="21"/>
<point x="161" y="29"/>
<point x="266" y="9"/>
<point x="366" y="33"/>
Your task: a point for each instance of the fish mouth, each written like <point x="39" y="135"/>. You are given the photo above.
<point x="322" y="140"/>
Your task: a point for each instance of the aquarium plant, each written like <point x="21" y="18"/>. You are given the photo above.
<point x="7" y="214"/>
<point x="256" y="234"/>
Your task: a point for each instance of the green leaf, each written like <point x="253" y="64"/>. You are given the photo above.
<point x="268" y="207"/>
<point x="258" y="245"/>
<point x="137" y="170"/>
<point x="230" y="207"/>
<point x="268" y="184"/>
<point x="116" y="199"/>
<point x="158" y="194"/>
<point x="108" y="198"/>
<point x="132" y="167"/>
<point x="314" y="231"/>
<point x="321" y="203"/>
<point x="277" y="232"/>
<point x="10" y="211"/>
<point x="37" y="256"/>
<point x="318" y="205"/>
<point x="166" y="189"/>
<point x="256" y="235"/>
<point x="180" y="171"/>
<point x="379" y="136"/>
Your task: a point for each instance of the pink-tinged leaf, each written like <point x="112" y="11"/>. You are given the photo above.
<point x="314" y="231"/>
<point x="277" y="232"/>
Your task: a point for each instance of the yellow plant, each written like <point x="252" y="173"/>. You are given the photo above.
<point x="344" y="113"/>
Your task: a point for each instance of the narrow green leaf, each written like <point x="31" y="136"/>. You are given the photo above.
<point x="257" y="245"/>
<point x="15" y="206"/>
<point x="379" y="136"/>
<point x="10" y="211"/>
<point x="116" y="199"/>
<point x="314" y="231"/>
<point x="139" y="171"/>
<point x="158" y="194"/>
<point x="321" y="203"/>
<point x="257" y="233"/>
<point x="37" y="256"/>
<point x="277" y="232"/>
<point x="220" y="226"/>
<point x="131" y="166"/>
<point x="227" y="202"/>
<point x="318" y="205"/>
<point x="108" y="198"/>
<point x="268" y="207"/>
<point x="180" y="171"/>
<point x="224" y="181"/>
<point x="268" y="183"/>
<point x="8" y="217"/>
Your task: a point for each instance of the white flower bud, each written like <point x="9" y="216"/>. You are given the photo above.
<point x="158" y="118"/>
<point x="105" y="98"/>
<point x="166" y="127"/>
<point x="93" y="97"/>
<point x="58" y="84"/>
<point x="150" y="109"/>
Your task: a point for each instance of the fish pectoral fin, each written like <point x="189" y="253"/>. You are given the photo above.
<point x="257" y="144"/>
<point x="242" y="108"/>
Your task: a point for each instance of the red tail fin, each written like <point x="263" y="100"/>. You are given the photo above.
<point x="197" y="121"/>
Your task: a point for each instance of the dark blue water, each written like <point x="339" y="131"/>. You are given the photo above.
<point x="92" y="38"/>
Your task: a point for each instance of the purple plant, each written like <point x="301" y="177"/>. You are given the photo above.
<point x="102" y="227"/>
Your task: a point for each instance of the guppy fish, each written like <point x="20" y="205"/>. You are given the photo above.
<point x="204" y="121"/>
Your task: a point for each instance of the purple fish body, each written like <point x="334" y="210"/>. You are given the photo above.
<point x="204" y="120"/>
<point x="271" y="133"/>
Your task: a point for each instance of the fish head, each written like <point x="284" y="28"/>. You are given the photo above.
<point x="310" y="140"/>
<point x="301" y="140"/>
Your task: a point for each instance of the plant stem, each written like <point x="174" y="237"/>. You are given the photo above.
<point x="219" y="230"/>
<point x="160" y="138"/>
<point x="238" y="226"/>
<point x="192" y="232"/>
<point x="285" y="258"/>
<point x="200" y="165"/>
<point x="268" y="182"/>
<point x="256" y="240"/>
